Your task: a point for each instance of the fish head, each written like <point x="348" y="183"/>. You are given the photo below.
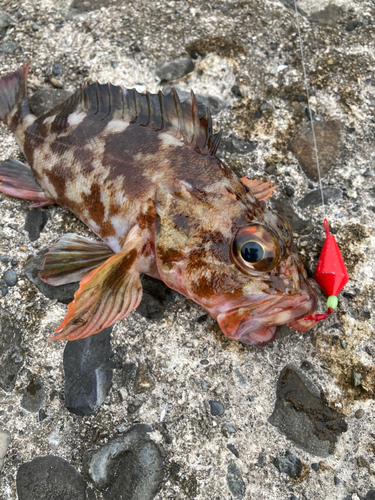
<point x="228" y="252"/>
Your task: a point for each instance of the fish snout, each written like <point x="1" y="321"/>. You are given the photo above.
<point x="256" y="322"/>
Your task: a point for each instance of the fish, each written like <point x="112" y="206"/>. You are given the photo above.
<point x="140" y="171"/>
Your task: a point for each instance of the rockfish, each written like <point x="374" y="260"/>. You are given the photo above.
<point x="140" y="171"/>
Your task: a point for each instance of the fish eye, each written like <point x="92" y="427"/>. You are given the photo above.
<point x="252" y="251"/>
<point x="254" y="248"/>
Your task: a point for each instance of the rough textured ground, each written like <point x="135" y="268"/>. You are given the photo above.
<point x="245" y="55"/>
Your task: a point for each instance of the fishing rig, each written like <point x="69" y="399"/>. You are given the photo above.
<point x="330" y="274"/>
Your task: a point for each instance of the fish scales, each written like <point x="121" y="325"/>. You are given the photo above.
<point x="140" y="171"/>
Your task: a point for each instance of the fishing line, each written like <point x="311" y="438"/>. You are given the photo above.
<point x="330" y="274"/>
<point x="309" y="107"/>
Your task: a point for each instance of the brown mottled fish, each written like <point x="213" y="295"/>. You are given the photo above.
<point x="140" y="171"/>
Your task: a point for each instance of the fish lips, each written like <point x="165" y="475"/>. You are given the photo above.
<point x="256" y="321"/>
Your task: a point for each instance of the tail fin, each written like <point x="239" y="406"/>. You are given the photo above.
<point x="14" y="105"/>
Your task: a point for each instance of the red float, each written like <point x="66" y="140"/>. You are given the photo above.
<point x="331" y="274"/>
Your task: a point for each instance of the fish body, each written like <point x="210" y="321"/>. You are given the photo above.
<point x="140" y="171"/>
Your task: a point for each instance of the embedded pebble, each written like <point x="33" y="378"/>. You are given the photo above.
<point x="283" y="207"/>
<point x="327" y="17"/>
<point x="9" y="47"/>
<point x="6" y="20"/>
<point x="288" y="464"/>
<point x="359" y="413"/>
<point x="216" y="408"/>
<point x="35" y="223"/>
<point x="155" y="299"/>
<point x="235" y="482"/>
<point x="62" y="293"/>
<point x="314" y="198"/>
<point x="4" y="444"/>
<point x="49" y="478"/>
<point x="11" y="354"/>
<point x="302" y="414"/>
<point x="328" y="138"/>
<point x="129" y="466"/>
<point x="174" y="70"/>
<point x="10" y="277"/>
<point x="237" y="145"/>
<point x="33" y="396"/>
<point x="88" y="372"/>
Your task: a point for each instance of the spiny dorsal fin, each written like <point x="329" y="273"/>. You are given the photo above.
<point x="158" y="111"/>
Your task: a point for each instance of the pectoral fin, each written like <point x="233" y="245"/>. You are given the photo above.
<point x="18" y="180"/>
<point x="109" y="293"/>
<point x="71" y="258"/>
<point x="262" y="190"/>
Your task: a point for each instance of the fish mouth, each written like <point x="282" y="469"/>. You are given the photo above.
<point x="255" y="321"/>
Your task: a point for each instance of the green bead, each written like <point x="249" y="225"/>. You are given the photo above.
<point x="332" y="301"/>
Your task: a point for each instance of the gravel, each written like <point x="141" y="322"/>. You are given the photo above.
<point x="236" y="50"/>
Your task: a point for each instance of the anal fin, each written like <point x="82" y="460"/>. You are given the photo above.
<point x="261" y="190"/>
<point x="107" y="294"/>
<point x="71" y="258"/>
<point x="17" y="179"/>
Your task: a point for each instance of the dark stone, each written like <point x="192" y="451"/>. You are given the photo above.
<point x="270" y="169"/>
<point x="6" y="20"/>
<point x="33" y="396"/>
<point x="5" y="259"/>
<point x="336" y="480"/>
<point x="261" y="459"/>
<point x="11" y="356"/>
<point x="283" y="207"/>
<point x="14" y="262"/>
<point x="301" y="413"/>
<point x="44" y="100"/>
<point x="4" y="290"/>
<point x="9" y="47"/>
<point x="352" y="25"/>
<point x="328" y="138"/>
<point x="314" y="198"/>
<point x="236" y="91"/>
<point x="174" y="70"/>
<point x="359" y="413"/>
<point x="128" y="373"/>
<point x="233" y="144"/>
<point x="35" y="222"/>
<point x="202" y="318"/>
<point x="204" y="100"/>
<point x="57" y="69"/>
<point x="155" y="299"/>
<point x="62" y="293"/>
<point x="49" y="478"/>
<point x="216" y="408"/>
<point x="315" y="467"/>
<point x="257" y="115"/>
<point x="88" y="372"/>
<point x="233" y="450"/>
<point x="10" y="277"/>
<point x="228" y="429"/>
<point x="129" y="467"/>
<point x="289" y="191"/>
<point x="289" y="464"/>
<point x="42" y="415"/>
<point x="235" y="482"/>
<point x="114" y="64"/>
<point x="327" y="17"/>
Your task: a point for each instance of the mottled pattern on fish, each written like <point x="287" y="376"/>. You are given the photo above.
<point x="140" y="171"/>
